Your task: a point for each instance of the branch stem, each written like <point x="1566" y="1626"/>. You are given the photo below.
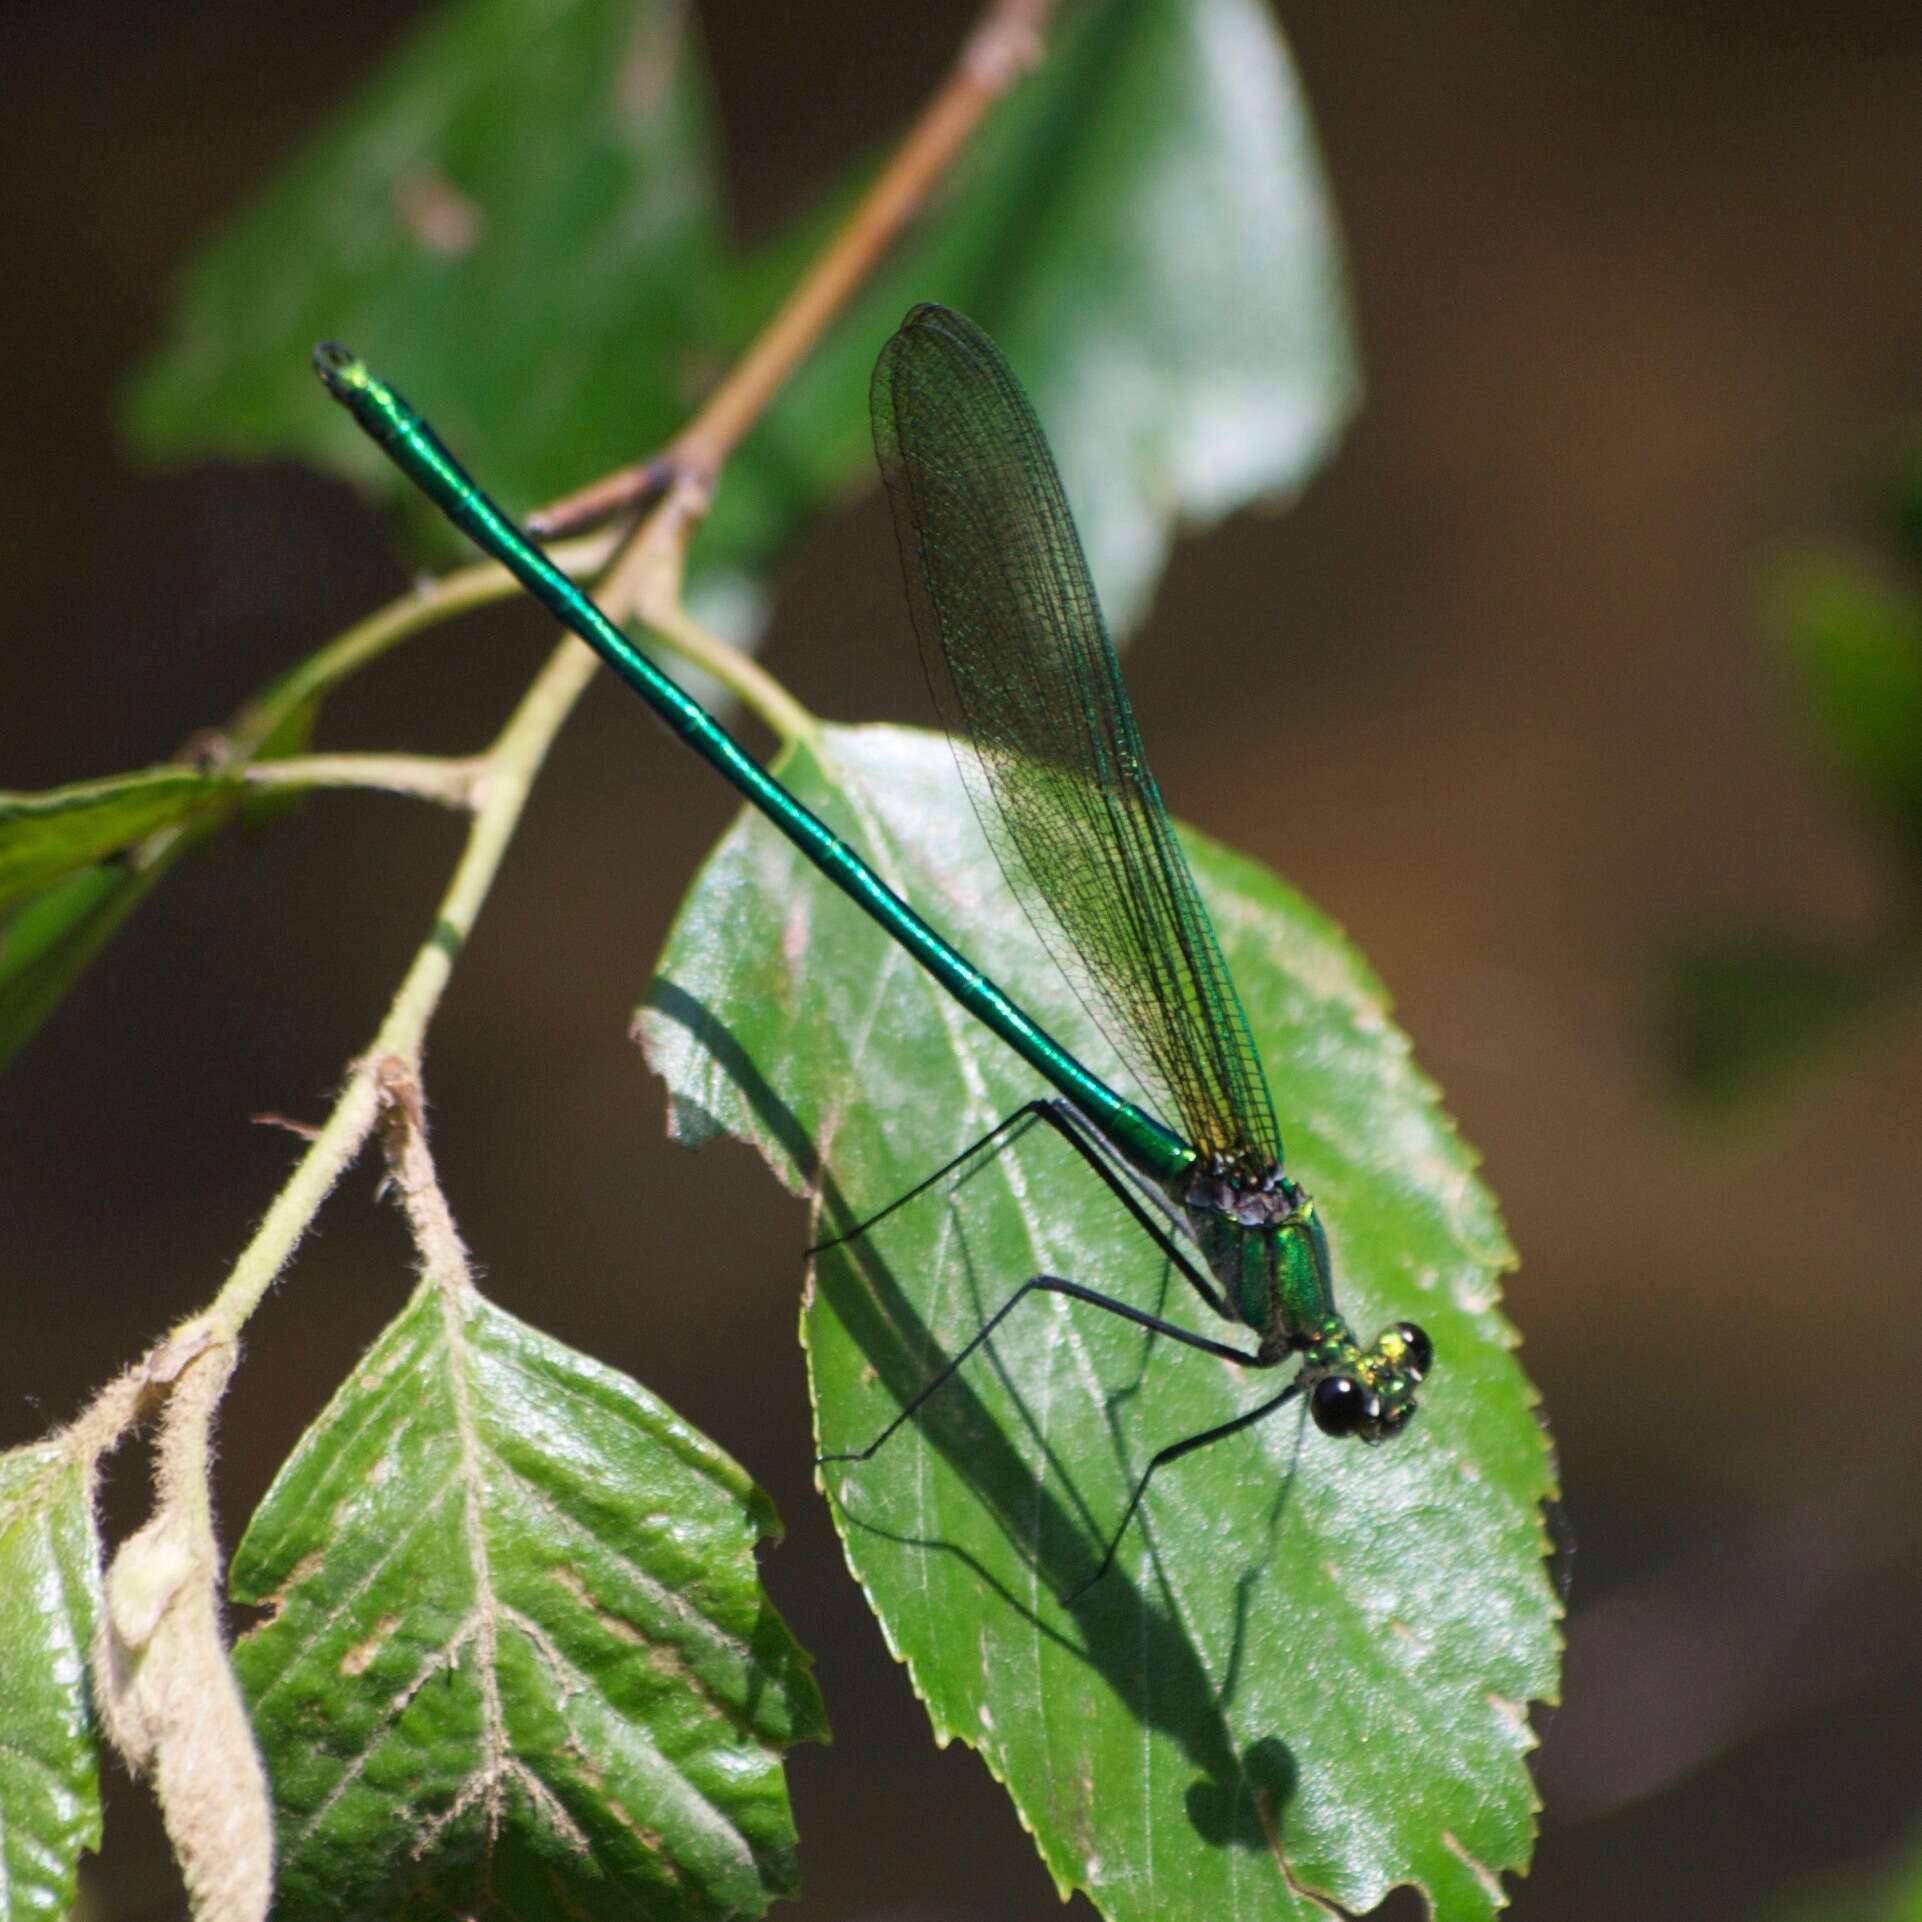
<point x="512" y="763"/>
<point x="647" y="577"/>
<point x="454" y="782"/>
<point x="1005" y="44"/>
<point x="428" y="603"/>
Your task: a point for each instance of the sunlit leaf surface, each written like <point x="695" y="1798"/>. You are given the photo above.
<point x="1310" y="1670"/>
<point x="520" y="1662"/>
<point x="1146" y="230"/>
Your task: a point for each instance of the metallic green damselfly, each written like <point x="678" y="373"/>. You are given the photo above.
<point x="1026" y="677"/>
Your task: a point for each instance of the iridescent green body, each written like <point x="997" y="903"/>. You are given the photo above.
<point x="419" y="453"/>
<point x="1002" y="600"/>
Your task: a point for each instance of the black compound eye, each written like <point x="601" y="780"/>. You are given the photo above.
<point x="1418" y="1352"/>
<point x="1340" y="1405"/>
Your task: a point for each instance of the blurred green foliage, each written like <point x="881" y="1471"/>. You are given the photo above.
<point x="1845" y="632"/>
<point x="519" y="223"/>
<point x="1862" y="1895"/>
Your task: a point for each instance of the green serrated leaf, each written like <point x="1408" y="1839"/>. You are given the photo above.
<point x="48" y="835"/>
<point x="49" y="1761"/>
<point x="1309" y="1671"/>
<point x="520" y="202"/>
<point x="520" y="1662"/>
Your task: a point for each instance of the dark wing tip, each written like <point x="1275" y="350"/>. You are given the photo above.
<point x="931" y="334"/>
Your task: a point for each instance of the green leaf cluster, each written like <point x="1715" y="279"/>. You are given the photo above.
<point x="516" y="1658"/>
<point x="519" y="223"/>
<point x="519" y="220"/>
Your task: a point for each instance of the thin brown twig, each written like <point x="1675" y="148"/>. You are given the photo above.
<point x="1005" y="44"/>
<point x="444" y="1259"/>
<point x="513" y="760"/>
<point x="646" y="578"/>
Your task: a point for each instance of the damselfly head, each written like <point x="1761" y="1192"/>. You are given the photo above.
<point x="1370" y="1392"/>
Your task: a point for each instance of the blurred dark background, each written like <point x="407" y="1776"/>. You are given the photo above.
<point x="1640" y="292"/>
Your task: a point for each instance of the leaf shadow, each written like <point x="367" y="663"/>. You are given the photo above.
<point x="1134" y="1639"/>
